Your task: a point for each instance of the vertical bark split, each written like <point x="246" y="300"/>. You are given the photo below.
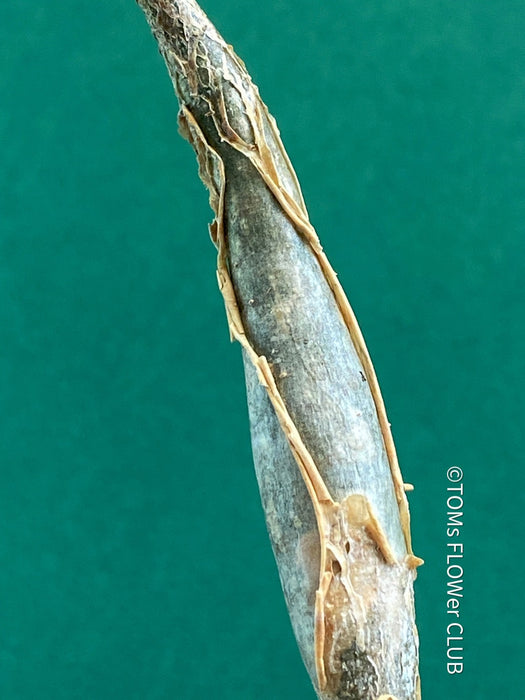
<point x="330" y="483"/>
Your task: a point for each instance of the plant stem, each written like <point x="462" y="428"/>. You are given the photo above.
<point x="326" y="465"/>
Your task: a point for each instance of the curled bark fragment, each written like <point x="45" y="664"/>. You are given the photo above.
<point x="330" y="483"/>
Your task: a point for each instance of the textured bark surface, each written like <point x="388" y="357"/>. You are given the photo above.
<point x="330" y="484"/>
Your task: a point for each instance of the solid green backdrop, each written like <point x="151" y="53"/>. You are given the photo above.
<point x="134" y="558"/>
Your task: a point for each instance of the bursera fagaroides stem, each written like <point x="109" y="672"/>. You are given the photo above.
<point x="330" y="484"/>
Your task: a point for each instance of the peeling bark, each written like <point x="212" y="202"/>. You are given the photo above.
<point x="326" y="465"/>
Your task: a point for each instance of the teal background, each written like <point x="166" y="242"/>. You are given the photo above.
<point x="134" y="561"/>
